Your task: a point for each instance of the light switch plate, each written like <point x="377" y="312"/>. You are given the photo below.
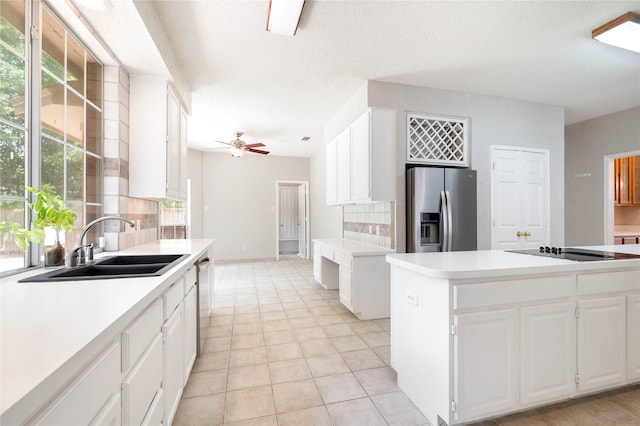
<point x="412" y="298"/>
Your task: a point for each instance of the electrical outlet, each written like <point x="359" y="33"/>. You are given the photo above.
<point x="371" y="229"/>
<point x="412" y="298"/>
<point x="377" y="229"/>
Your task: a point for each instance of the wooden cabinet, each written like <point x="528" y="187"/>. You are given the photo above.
<point x="485" y="363"/>
<point x="627" y="181"/>
<point x="547" y="352"/>
<point x="361" y="160"/>
<point x="157" y="140"/>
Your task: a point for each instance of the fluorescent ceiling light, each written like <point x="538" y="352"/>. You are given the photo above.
<point x="621" y="32"/>
<point x="284" y="16"/>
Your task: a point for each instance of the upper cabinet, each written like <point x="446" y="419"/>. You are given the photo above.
<point x="158" y="140"/>
<point x="627" y="181"/>
<point x="361" y="160"/>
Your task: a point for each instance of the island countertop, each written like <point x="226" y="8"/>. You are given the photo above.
<point x="354" y="248"/>
<point x="492" y="263"/>
<point x="48" y="330"/>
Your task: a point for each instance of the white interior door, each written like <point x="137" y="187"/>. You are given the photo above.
<point x="519" y="198"/>
<point x="288" y="213"/>
<point x="302" y="221"/>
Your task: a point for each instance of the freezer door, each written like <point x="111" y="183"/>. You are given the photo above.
<point x="461" y="185"/>
<point x="424" y="185"/>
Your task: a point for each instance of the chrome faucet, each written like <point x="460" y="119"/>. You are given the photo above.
<point x="84" y="252"/>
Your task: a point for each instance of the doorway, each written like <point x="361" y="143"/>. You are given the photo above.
<point x="519" y="198"/>
<point x="621" y="210"/>
<point x="292" y="218"/>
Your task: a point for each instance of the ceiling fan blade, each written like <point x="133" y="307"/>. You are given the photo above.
<point x="257" y="151"/>
<point x="254" y="145"/>
<point x="226" y="143"/>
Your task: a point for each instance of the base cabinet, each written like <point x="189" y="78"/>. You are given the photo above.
<point x="547" y="352"/>
<point x="485" y="364"/>
<point x="190" y="325"/>
<point x="173" y="373"/>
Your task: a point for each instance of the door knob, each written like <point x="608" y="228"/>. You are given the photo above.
<point x="519" y="234"/>
<point x="527" y="234"/>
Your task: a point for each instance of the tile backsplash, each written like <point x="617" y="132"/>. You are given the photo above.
<point x="371" y="223"/>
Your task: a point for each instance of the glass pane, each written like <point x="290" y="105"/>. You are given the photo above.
<point x="75" y="174"/>
<point x="53" y="164"/>
<point x="94" y="212"/>
<point x="12" y="143"/>
<point x="75" y="64"/>
<point x="52" y="45"/>
<point x="11" y="256"/>
<point x="12" y="24"/>
<point x="75" y="119"/>
<point x="94" y="179"/>
<point x="52" y="106"/>
<point x="94" y="81"/>
<point x="94" y="130"/>
<point x="72" y="236"/>
<point x="12" y="77"/>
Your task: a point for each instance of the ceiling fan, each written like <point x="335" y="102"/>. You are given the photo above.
<point x="238" y="147"/>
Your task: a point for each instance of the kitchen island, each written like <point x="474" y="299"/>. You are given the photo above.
<point x="75" y="352"/>
<point x="480" y="334"/>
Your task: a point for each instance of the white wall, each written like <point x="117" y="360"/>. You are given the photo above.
<point x="194" y="173"/>
<point x="494" y="121"/>
<point x="239" y="199"/>
<point x="587" y="143"/>
<point x="326" y="221"/>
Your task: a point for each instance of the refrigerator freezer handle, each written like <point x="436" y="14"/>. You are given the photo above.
<point x="444" y="238"/>
<point x="449" y="222"/>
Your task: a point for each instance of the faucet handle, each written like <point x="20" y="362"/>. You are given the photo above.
<point x="88" y="253"/>
<point x="72" y="258"/>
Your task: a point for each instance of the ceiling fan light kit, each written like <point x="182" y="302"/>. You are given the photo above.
<point x="623" y="32"/>
<point x="284" y="16"/>
<point x="238" y="147"/>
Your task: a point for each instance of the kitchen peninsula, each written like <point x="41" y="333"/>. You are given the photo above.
<point x="480" y="334"/>
<point x="102" y="351"/>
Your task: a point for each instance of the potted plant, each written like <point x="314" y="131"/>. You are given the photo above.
<point x="48" y="212"/>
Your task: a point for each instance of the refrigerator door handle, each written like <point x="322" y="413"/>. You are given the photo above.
<point x="444" y="238"/>
<point x="449" y="222"/>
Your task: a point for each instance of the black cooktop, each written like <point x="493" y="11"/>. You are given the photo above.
<point x="580" y="255"/>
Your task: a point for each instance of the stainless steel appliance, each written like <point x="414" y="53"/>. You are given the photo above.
<point x="204" y="295"/>
<point x="577" y="254"/>
<point x="441" y="209"/>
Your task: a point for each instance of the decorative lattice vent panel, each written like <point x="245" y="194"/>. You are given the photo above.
<point x="437" y="140"/>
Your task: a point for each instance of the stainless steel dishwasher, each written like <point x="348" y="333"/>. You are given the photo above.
<point x="204" y="268"/>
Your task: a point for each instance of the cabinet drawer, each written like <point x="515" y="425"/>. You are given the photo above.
<point x="190" y="279"/>
<point x="512" y="291"/>
<point x="608" y="282"/>
<point x="140" y="333"/>
<point x="172" y="297"/>
<point x="327" y="252"/>
<point x="343" y="259"/>
<point x="140" y="386"/>
<point x="154" y="415"/>
<point x="85" y="398"/>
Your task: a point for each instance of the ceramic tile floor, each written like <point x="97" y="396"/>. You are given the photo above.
<point x="281" y="350"/>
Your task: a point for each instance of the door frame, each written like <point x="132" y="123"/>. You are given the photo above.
<point x="609" y="180"/>
<point x="493" y="149"/>
<point x="304" y="183"/>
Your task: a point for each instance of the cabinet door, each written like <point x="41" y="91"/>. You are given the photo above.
<point x="184" y="154"/>
<point x="635" y="179"/>
<point x="142" y="383"/>
<point x="343" y="166"/>
<point x="601" y="343"/>
<point x="317" y="262"/>
<point x="346" y="287"/>
<point x="190" y="327"/>
<point x="624" y="180"/>
<point x="485" y="364"/>
<point x="172" y="363"/>
<point x="547" y="352"/>
<point x="173" y="145"/>
<point x="331" y="182"/>
<point x="633" y="339"/>
<point x="361" y="159"/>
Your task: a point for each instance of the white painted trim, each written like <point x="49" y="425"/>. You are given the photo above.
<point x="306" y="214"/>
<point x="609" y="214"/>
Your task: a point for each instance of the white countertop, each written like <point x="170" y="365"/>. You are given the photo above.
<point x="354" y="248"/>
<point x="495" y="263"/>
<point x="49" y="330"/>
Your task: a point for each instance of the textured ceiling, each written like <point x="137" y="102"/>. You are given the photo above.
<point x="278" y="89"/>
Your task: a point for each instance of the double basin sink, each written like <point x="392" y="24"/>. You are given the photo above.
<point x="123" y="266"/>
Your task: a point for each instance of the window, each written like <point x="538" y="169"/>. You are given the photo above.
<point x="53" y="104"/>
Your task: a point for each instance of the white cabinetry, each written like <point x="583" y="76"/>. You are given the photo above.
<point x="633" y="336"/>
<point x="485" y="363"/>
<point x="190" y="327"/>
<point x="547" y="352"/>
<point x="173" y="349"/>
<point x="142" y="383"/>
<point x="158" y="140"/>
<point x="361" y="160"/>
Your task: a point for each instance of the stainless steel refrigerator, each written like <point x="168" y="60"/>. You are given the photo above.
<point x="441" y="209"/>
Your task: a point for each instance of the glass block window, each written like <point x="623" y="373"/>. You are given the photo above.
<point x="438" y="140"/>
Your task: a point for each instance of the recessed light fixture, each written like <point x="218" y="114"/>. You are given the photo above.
<point x="621" y="32"/>
<point x="284" y="16"/>
<point x="95" y="4"/>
